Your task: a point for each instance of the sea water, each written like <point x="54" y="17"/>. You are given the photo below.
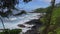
<point x="13" y="21"/>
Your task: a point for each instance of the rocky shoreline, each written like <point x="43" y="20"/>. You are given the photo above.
<point x="34" y="29"/>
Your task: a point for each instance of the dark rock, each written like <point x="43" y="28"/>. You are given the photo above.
<point x="21" y="25"/>
<point x="34" y="29"/>
<point x="35" y="21"/>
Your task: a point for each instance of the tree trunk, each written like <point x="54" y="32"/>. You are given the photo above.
<point x="3" y="25"/>
<point x="48" y="17"/>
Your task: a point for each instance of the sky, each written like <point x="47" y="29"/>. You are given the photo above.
<point x="34" y="4"/>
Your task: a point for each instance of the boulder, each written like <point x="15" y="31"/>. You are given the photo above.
<point x="21" y="25"/>
<point x="35" y="22"/>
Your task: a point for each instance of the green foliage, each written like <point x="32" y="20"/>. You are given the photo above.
<point x="43" y="20"/>
<point x="55" y="20"/>
<point x="40" y="10"/>
<point x="56" y="15"/>
<point x="9" y="4"/>
<point x="58" y="30"/>
<point x="50" y="33"/>
<point x="14" y="31"/>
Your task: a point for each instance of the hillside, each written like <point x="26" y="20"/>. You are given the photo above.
<point x="55" y="19"/>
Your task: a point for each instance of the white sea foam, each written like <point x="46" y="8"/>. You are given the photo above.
<point x="12" y="22"/>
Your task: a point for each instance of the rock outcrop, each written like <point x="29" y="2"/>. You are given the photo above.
<point x="34" y="29"/>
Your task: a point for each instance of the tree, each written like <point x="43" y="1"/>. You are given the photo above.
<point x="48" y="17"/>
<point x="41" y="10"/>
<point x="9" y="4"/>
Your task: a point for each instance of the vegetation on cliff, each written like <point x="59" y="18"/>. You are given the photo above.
<point x="54" y="27"/>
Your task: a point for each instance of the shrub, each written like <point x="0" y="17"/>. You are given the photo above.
<point x="13" y="31"/>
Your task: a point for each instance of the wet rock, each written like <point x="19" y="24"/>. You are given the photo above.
<point x="34" y="29"/>
<point x="35" y="21"/>
<point x="21" y="25"/>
